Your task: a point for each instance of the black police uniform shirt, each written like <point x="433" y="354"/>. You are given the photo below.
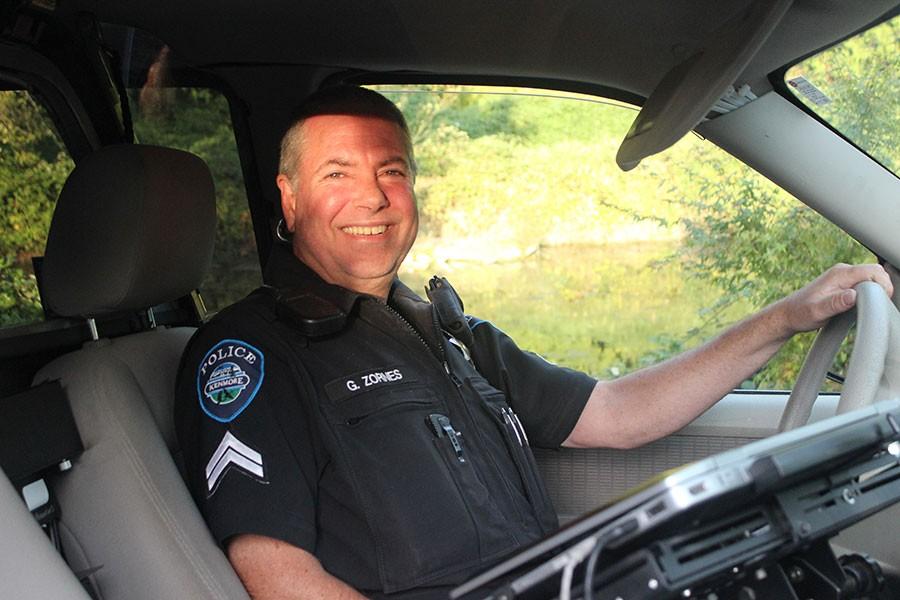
<point x="371" y="441"/>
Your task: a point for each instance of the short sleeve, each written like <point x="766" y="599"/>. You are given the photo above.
<point x="248" y="453"/>
<point x="548" y="398"/>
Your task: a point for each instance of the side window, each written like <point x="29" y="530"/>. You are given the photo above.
<point x="525" y="211"/>
<point x="33" y="167"/>
<point x="197" y="120"/>
<point x="854" y="87"/>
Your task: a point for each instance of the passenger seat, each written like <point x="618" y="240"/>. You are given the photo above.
<point x="134" y="227"/>
<point x="30" y="569"/>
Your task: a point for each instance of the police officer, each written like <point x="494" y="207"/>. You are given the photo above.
<point x="343" y="436"/>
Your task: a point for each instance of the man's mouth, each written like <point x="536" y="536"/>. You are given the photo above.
<point x="375" y="230"/>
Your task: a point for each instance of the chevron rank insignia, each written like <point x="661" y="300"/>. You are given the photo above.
<point x="232" y="453"/>
<point x="228" y="379"/>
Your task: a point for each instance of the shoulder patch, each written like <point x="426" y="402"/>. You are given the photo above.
<point x="228" y="379"/>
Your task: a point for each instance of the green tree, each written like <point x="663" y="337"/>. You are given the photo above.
<point x="756" y="244"/>
<point x="859" y="76"/>
<point x="33" y="168"/>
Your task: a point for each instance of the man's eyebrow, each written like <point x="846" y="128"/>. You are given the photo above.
<point x="392" y="160"/>
<point x="334" y="162"/>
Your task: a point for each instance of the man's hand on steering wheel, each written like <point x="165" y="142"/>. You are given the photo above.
<point x="872" y="371"/>
<point x="830" y="294"/>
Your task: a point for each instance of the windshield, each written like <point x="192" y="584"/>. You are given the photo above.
<point x="854" y="87"/>
<point x="523" y="208"/>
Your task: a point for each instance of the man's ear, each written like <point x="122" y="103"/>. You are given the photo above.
<point x="288" y="200"/>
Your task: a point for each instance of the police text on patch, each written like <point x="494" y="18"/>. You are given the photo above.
<point x="229" y="351"/>
<point x="228" y="378"/>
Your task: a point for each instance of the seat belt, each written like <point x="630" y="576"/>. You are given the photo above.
<point x="38" y="437"/>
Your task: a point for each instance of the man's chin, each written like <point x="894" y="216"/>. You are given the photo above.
<point x="374" y="281"/>
<point x="373" y="269"/>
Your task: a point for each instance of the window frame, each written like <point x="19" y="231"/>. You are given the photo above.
<point x="777" y="79"/>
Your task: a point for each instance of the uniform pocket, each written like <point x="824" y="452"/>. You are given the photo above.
<point x="516" y="441"/>
<point x="427" y="510"/>
<point x="357" y="409"/>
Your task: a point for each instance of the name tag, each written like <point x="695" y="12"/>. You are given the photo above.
<point x="365" y="381"/>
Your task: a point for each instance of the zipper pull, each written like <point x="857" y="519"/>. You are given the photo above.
<point x="441" y="426"/>
<point x="452" y="375"/>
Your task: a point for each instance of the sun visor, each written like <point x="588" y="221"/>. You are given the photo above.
<point x="688" y="92"/>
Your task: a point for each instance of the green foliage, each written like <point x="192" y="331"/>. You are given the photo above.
<point x="33" y="168"/>
<point x="530" y="169"/>
<point x="545" y="120"/>
<point x="860" y="78"/>
<point x="19" y="299"/>
<point x="757" y="244"/>
<point x="531" y="195"/>
<point x="594" y="268"/>
<point x="443" y="120"/>
<point x="753" y="242"/>
<point x="534" y="187"/>
<point x="602" y="309"/>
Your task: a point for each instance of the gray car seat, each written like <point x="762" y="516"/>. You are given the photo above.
<point x="133" y="228"/>
<point x="29" y="565"/>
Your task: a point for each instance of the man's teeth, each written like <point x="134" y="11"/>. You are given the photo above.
<point x="365" y="230"/>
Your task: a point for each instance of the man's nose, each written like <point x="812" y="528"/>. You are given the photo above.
<point x="372" y="196"/>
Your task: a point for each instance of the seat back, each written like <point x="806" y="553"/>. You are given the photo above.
<point x="30" y="568"/>
<point x="133" y="228"/>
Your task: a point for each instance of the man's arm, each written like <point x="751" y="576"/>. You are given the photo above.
<point x="659" y="400"/>
<point x="271" y="569"/>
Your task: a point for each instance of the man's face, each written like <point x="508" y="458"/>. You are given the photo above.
<point x="351" y="205"/>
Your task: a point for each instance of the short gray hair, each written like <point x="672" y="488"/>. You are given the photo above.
<point x="339" y="100"/>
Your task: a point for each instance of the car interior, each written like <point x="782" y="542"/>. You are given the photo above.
<point x="129" y="249"/>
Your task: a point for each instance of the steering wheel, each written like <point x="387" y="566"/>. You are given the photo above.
<point x="873" y="372"/>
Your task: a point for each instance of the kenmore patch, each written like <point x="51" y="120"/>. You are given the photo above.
<point x="229" y="377"/>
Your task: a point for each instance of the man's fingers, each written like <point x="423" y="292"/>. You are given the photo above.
<point x="844" y="301"/>
<point x="849" y="276"/>
<point x="884" y="280"/>
<point x="831" y="305"/>
<point x="831" y="294"/>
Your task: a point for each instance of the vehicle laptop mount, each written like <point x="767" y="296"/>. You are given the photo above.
<point x="752" y="522"/>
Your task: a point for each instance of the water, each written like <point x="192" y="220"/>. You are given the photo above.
<point x="602" y="309"/>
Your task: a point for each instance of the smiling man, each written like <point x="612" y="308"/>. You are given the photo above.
<point x="344" y="437"/>
<point x="348" y="198"/>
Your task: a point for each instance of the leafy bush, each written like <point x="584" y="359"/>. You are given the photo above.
<point x="33" y="167"/>
<point x="756" y="244"/>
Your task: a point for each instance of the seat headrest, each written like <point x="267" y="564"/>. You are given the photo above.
<point x="134" y="226"/>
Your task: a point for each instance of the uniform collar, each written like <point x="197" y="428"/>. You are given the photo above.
<point x="284" y="271"/>
<point x="417" y="311"/>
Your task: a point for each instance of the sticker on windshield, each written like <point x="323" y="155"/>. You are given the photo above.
<point x="228" y="379"/>
<point x="809" y="91"/>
